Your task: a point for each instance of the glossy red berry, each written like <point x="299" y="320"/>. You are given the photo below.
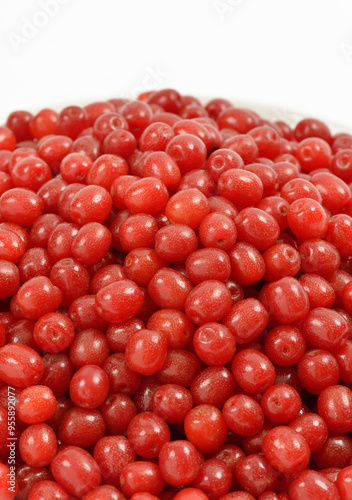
<point x="313" y="428"/>
<point x="207" y="302"/>
<point x="318" y="369"/>
<point x="217" y="230"/>
<point x="247" y="263"/>
<point x="36" y="404"/>
<point x="147" y="432"/>
<point x="243" y="415"/>
<point x="213" y="386"/>
<point x="314" y="483"/>
<point x="43" y="123"/>
<point x="285" y="345"/>
<point x="205" y="427"/>
<point x="256" y="475"/>
<point x="91" y="243"/>
<point x="38" y="296"/>
<point x="169" y="289"/>
<point x="49" y="489"/>
<point x="89" y="386"/>
<point x="188" y="206"/>
<point x="141" y="476"/>
<point x="112" y="453"/>
<point x="325" y="329"/>
<point x="334" y="406"/>
<point x="286" y="450"/>
<point x="179" y="462"/>
<point x="313" y="153"/>
<point x="180" y="367"/>
<point x="90" y="204"/>
<point x="307" y="219"/>
<point x="21" y="206"/>
<point x="319" y="257"/>
<point x="214" y="344"/>
<point x="148" y="195"/>
<point x="156" y="137"/>
<point x="13" y="359"/>
<point x="119" y="301"/>
<point x="146" y="351"/>
<point x="246" y="320"/>
<point x="38" y="445"/>
<point x="281" y="260"/>
<point x="54" y="332"/>
<point x="253" y="371"/>
<point x="243" y="188"/>
<point x="76" y="470"/>
<point x="214" y="478"/>
<point x="287" y="300"/>
<point x="175" y="242"/>
<point x="257" y="227"/>
<point x="281" y="403"/>
<point x="188" y="151"/>
<point x="172" y="402"/>
<point x="81" y="427"/>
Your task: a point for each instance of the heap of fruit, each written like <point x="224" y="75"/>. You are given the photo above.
<point x="176" y="304"/>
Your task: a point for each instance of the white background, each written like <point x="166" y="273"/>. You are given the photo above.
<point x="290" y="54"/>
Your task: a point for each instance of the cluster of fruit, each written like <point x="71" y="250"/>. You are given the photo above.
<point x="176" y="304"/>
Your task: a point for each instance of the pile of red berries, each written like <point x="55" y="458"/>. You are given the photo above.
<point x="176" y="304"/>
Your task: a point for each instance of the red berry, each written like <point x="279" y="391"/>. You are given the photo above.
<point x="313" y="428"/>
<point x="21" y="206"/>
<point x="76" y="470"/>
<point x="246" y="320"/>
<point x="43" y="123"/>
<point x="38" y="296"/>
<point x="318" y="369"/>
<point x="48" y="489"/>
<point x="287" y="300"/>
<point x="243" y="415"/>
<point x="307" y="213"/>
<point x="253" y="371"/>
<point x="169" y="289"/>
<point x="146" y="351"/>
<point x="112" y="453"/>
<point x="179" y="463"/>
<point x="256" y="227"/>
<point x="141" y="476"/>
<point x="285" y="345"/>
<point x="148" y="195"/>
<point x="217" y="230"/>
<point x="256" y="475"/>
<point x="91" y="243"/>
<point x="38" y="445"/>
<point x="286" y="450"/>
<point x="213" y="386"/>
<point x="36" y="404"/>
<point x="90" y="204"/>
<point x="188" y="151"/>
<point x="147" y="432"/>
<point x="315" y="484"/>
<point x="54" y="332"/>
<point x="20" y="365"/>
<point x="325" y="329"/>
<point x="281" y="403"/>
<point x="89" y="386"/>
<point x="214" y="478"/>
<point x="119" y="301"/>
<point x="81" y="427"/>
<point x="313" y="153"/>
<point x="188" y="207"/>
<point x="207" y="302"/>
